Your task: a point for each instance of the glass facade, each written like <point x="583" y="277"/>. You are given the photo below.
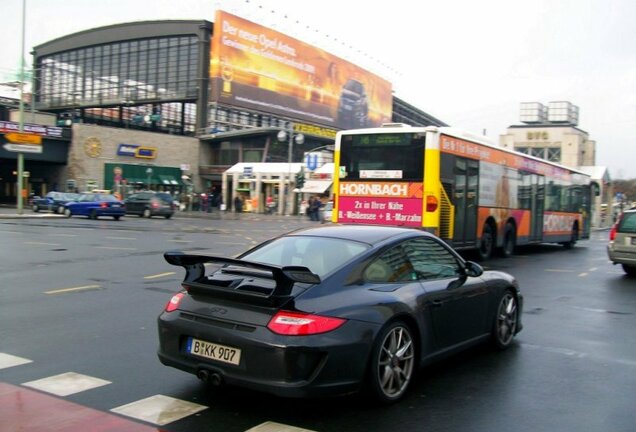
<point x="145" y="83"/>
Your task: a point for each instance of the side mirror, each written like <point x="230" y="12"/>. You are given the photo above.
<point x="473" y="269"/>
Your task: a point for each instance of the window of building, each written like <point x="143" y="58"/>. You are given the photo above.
<point x="554" y="154"/>
<point x="162" y="69"/>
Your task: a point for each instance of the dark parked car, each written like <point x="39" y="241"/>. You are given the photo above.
<point x="95" y="205"/>
<point x="333" y="310"/>
<point x="622" y="245"/>
<point x="149" y="204"/>
<point x="353" y="107"/>
<point x="53" y="201"/>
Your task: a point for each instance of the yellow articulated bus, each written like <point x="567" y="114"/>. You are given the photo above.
<point x="471" y="193"/>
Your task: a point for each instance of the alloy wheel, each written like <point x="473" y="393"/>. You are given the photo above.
<point x="506" y="324"/>
<point x="395" y="362"/>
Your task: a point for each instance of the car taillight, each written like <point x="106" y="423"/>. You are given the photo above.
<point x="103" y="205"/>
<point x="613" y="232"/>
<point x="431" y="203"/>
<point x="155" y="204"/>
<point x="174" y="302"/>
<point x="302" y="324"/>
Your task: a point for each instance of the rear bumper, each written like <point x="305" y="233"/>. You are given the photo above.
<point x="621" y="256"/>
<point x="289" y="366"/>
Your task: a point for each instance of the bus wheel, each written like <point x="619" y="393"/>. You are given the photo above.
<point x="509" y="241"/>
<point x="573" y="238"/>
<point x="486" y="244"/>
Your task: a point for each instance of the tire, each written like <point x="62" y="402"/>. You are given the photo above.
<point x="67" y="213"/>
<point x="147" y="213"/>
<point x="629" y="270"/>
<point x="36" y="208"/>
<point x="93" y="215"/>
<point x="509" y="241"/>
<point x="168" y="216"/>
<point x="484" y="251"/>
<point x="59" y="209"/>
<point x="574" y="236"/>
<point x="116" y="217"/>
<point x="393" y="362"/>
<point x="505" y="322"/>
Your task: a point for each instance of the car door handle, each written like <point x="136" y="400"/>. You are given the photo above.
<point x="437" y="303"/>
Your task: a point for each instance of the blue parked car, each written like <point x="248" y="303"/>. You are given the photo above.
<point x="53" y="201"/>
<point x="95" y="205"/>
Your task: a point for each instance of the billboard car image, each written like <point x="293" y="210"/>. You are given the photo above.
<point x="258" y="68"/>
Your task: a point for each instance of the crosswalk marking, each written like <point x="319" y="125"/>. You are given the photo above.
<point x="66" y="384"/>
<point x="8" y="360"/>
<point x="35" y="407"/>
<point x="276" y="427"/>
<point x="159" y="409"/>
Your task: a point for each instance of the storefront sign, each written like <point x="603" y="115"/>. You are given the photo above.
<point x="48" y="131"/>
<point x="135" y="150"/>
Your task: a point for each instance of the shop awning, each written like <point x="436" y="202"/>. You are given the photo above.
<point x="316" y="186"/>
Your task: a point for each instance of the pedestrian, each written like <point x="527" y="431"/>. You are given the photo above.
<point x="314" y="208"/>
<point x="238" y="205"/>
<point x="270" y="205"/>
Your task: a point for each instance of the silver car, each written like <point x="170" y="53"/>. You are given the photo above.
<point x="622" y="245"/>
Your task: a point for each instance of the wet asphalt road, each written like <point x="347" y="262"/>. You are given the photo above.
<point x="571" y="369"/>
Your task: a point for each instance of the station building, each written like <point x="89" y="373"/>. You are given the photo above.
<point x="173" y="105"/>
<point x="552" y="132"/>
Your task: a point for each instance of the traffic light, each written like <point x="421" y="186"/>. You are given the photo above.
<point x="300" y="179"/>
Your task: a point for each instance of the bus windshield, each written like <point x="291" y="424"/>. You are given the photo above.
<point x="395" y="156"/>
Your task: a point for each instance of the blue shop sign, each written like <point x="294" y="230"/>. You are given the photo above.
<point x="135" y="150"/>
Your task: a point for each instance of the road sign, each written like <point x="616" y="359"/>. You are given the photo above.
<point x="23" y="148"/>
<point x="23" y="138"/>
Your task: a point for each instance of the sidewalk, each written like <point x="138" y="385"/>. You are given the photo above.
<point x="8" y="211"/>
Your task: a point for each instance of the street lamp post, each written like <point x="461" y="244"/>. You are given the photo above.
<point x="148" y="173"/>
<point x="20" y="185"/>
<point x="290" y="137"/>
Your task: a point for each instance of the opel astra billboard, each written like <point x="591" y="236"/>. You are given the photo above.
<point x="258" y="68"/>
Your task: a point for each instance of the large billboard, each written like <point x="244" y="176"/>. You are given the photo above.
<point x="259" y="68"/>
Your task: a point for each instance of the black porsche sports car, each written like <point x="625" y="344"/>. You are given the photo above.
<point x="333" y="310"/>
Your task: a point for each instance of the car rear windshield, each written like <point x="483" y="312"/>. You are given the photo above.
<point x="167" y="198"/>
<point x="628" y="223"/>
<point x="321" y="255"/>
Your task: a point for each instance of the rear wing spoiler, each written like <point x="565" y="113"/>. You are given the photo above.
<point x="196" y="283"/>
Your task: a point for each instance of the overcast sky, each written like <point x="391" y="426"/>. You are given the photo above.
<point x="469" y="63"/>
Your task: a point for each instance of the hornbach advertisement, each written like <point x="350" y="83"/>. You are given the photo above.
<point x="258" y="68"/>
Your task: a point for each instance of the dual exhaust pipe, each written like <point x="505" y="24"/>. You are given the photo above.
<point x="213" y="378"/>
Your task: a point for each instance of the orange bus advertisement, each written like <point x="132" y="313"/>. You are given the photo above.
<point x="255" y="67"/>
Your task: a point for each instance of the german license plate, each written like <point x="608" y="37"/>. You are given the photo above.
<point x="634" y="241"/>
<point x="213" y="351"/>
<point x="115" y="205"/>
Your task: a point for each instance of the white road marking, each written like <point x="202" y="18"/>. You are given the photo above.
<point x="560" y="270"/>
<point x="42" y="243"/>
<point x="159" y="409"/>
<point x="121" y="238"/>
<point x="62" y="235"/>
<point x="114" y="248"/>
<point x="276" y="427"/>
<point x="79" y="288"/>
<point x="66" y="384"/>
<point x="8" y="360"/>
<point x="160" y="275"/>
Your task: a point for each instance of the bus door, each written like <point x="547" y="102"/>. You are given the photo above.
<point x="537" y="206"/>
<point x="466" y="173"/>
